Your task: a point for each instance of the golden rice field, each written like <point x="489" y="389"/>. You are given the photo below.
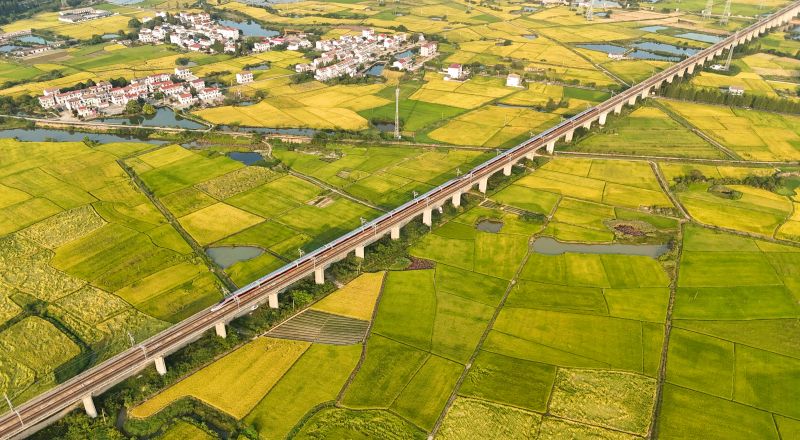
<point x="263" y="361"/>
<point x="356" y="299"/>
<point x="754" y="135"/>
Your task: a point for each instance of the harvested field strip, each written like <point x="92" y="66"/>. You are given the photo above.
<point x="321" y="327"/>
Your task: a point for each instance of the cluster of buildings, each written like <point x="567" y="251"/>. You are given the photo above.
<point x="13" y="39"/>
<point x="82" y="14"/>
<point x="344" y="55"/>
<point x="103" y="97"/>
<point x="196" y="32"/>
<point x="291" y="42"/>
<point x="427" y="50"/>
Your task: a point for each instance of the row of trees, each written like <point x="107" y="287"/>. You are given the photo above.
<point x="770" y="183"/>
<point x="687" y="92"/>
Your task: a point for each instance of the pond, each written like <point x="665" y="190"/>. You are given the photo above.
<point x="550" y="246"/>
<point x="386" y="127"/>
<point x="655" y="28"/>
<point x="607" y="48"/>
<point x="9" y="48"/>
<point x="489" y="225"/>
<point x="405" y="54"/>
<point x="705" y="38"/>
<point x="227" y="256"/>
<point x="665" y="48"/>
<point x="645" y="55"/>
<point x="44" y="134"/>
<point x="164" y="117"/>
<point x="110" y="36"/>
<point x="33" y="39"/>
<point x="250" y="28"/>
<point x="265" y="66"/>
<point x="376" y="70"/>
<point x="605" y="4"/>
<point x="245" y="157"/>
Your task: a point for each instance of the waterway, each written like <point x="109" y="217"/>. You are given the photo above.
<point x="250" y="28"/>
<point x="489" y="225"/>
<point x="705" y="38"/>
<point x="164" y="117"/>
<point x="245" y="157"/>
<point x="227" y="256"/>
<point x="550" y="246"/>
<point x="46" y="134"/>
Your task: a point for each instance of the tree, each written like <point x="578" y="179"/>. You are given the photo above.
<point x="134" y="23"/>
<point x="148" y="110"/>
<point x="133" y="107"/>
<point x="301" y="298"/>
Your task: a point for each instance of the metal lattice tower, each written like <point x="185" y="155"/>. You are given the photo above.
<point x="730" y="54"/>
<point x="707" y="10"/>
<point x="397" y="112"/>
<point x="590" y="11"/>
<point x="726" y="14"/>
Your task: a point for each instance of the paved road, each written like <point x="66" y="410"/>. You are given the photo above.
<point x="124" y="364"/>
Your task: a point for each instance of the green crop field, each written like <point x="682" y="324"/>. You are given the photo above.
<point x="648" y="131"/>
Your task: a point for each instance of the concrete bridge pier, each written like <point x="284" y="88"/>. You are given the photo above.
<point x="632" y="100"/>
<point x="618" y="109"/>
<point x="88" y="405"/>
<point x="483" y="184"/>
<point x="427" y="217"/>
<point x="602" y="119"/>
<point x="161" y="367"/>
<point x="359" y="251"/>
<point x="530" y="155"/>
<point x="588" y="124"/>
<point x="690" y="69"/>
<point x="718" y="52"/>
<point x="507" y="169"/>
<point x="645" y="93"/>
<point x="273" y="301"/>
<point x="568" y="136"/>
<point x="394" y="232"/>
<point x="551" y="147"/>
<point x="709" y="58"/>
<point x="319" y="275"/>
<point x="457" y="199"/>
<point x="220" y="329"/>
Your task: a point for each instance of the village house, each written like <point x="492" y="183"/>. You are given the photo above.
<point x="244" y="77"/>
<point x="454" y="71"/>
<point x="513" y="80"/>
<point x="428" y="49"/>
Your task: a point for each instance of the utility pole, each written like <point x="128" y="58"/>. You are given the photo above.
<point x="397" y="113"/>
<point x="590" y="11"/>
<point x="726" y="14"/>
<point x="707" y="10"/>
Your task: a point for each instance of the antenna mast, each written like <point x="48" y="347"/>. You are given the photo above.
<point x="730" y="54"/>
<point x="397" y="112"/>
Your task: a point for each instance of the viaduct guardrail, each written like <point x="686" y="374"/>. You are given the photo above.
<point x="35" y="413"/>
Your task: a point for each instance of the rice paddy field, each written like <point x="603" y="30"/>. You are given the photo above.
<point x="84" y="243"/>
<point x="648" y="131"/>
<point x="753" y="135"/>
<point x="384" y="176"/>
<point x="276" y="212"/>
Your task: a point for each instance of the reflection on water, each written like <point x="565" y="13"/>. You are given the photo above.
<point x="550" y="246"/>
<point x="164" y="117"/>
<point x="245" y="157"/>
<point x="250" y="28"/>
<point x="45" y="134"/>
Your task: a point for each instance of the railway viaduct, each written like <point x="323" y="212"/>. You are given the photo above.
<point x="48" y="406"/>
